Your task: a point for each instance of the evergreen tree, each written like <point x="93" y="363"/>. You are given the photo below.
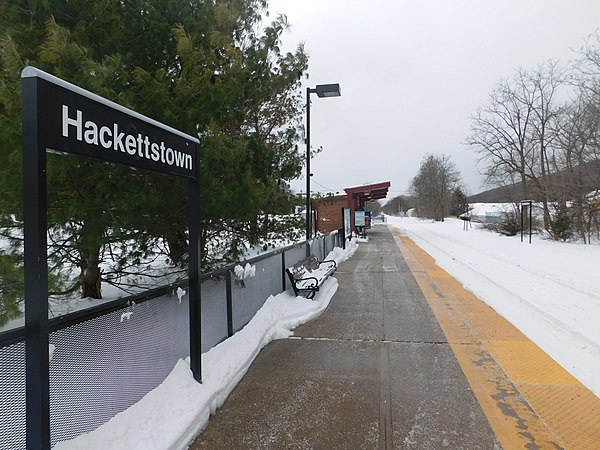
<point x="460" y="202"/>
<point x="201" y="67"/>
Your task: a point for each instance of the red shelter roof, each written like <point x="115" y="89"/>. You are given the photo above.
<point x="358" y="196"/>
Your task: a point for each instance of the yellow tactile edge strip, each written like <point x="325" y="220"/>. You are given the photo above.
<point x="529" y="400"/>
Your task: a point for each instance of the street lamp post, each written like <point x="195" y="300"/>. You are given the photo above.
<point x="322" y="90"/>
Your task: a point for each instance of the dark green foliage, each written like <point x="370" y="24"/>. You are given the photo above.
<point x="460" y="202"/>
<point x="11" y="272"/>
<point x="11" y="288"/>
<point x="561" y="227"/>
<point x="201" y="67"/>
<point x="509" y="226"/>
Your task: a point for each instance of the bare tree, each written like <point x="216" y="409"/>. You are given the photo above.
<point x="374" y="206"/>
<point x="398" y="205"/>
<point x="587" y="69"/>
<point x="544" y="82"/>
<point x="523" y="135"/>
<point x="578" y="143"/>
<point x="501" y="133"/>
<point x="434" y="185"/>
<point x="512" y="133"/>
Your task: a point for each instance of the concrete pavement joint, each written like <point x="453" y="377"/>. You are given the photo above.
<point x="385" y="400"/>
<point x="383" y="341"/>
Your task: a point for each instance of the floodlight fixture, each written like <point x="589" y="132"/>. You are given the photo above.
<point x="327" y="90"/>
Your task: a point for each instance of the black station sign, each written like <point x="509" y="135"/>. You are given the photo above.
<point x="64" y="118"/>
<point x="73" y="120"/>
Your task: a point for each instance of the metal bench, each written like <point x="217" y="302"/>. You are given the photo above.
<point x="308" y="275"/>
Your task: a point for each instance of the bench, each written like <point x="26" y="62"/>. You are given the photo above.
<point x="308" y="275"/>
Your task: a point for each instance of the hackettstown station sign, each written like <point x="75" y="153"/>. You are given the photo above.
<point x="73" y="120"/>
<point x="61" y="117"/>
<point x="112" y="138"/>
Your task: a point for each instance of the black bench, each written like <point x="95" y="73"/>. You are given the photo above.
<point x="308" y="275"/>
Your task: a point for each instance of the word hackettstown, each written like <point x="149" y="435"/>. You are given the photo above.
<point x="110" y="137"/>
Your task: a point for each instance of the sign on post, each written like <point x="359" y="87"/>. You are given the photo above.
<point x="346" y="225"/>
<point x="61" y="117"/>
<point x="72" y="120"/>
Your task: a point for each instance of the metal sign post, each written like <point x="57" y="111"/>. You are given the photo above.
<point x="64" y="118"/>
<point x="347" y="224"/>
<point x="37" y="360"/>
<point x="528" y="204"/>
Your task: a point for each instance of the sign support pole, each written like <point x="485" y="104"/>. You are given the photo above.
<point x="194" y="277"/>
<point x="37" y="359"/>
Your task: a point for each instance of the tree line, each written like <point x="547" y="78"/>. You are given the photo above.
<point x="212" y="69"/>
<point x="540" y="129"/>
<point x="435" y="186"/>
<point x="435" y="192"/>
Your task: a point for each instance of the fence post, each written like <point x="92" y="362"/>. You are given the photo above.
<point x="283" y="270"/>
<point x="229" y="296"/>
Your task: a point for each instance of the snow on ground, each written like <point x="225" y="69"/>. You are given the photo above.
<point x="170" y="416"/>
<point x="549" y="290"/>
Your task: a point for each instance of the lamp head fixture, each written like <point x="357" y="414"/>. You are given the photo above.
<point x="327" y="90"/>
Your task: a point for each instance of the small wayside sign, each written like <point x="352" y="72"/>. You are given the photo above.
<point x="359" y="217"/>
<point x="73" y="120"/>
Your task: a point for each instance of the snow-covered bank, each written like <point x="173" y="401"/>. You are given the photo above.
<point x="170" y="416"/>
<point x="549" y="290"/>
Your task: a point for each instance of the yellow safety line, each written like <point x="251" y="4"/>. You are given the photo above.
<point x="529" y="400"/>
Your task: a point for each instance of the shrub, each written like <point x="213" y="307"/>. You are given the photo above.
<point x="508" y="226"/>
<point x="561" y="227"/>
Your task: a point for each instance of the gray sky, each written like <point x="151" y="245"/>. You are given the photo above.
<point x="412" y="73"/>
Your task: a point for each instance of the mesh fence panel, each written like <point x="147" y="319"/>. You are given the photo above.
<point x="12" y="397"/>
<point x="316" y="248"/>
<point x="249" y="295"/>
<point x="104" y="365"/>
<point x="330" y="242"/>
<point x="214" y="312"/>
<point x="292" y="256"/>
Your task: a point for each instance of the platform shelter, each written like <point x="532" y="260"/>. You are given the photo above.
<point x="329" y="209"/>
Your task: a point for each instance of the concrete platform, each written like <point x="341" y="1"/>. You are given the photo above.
<point x="397" y="361"/>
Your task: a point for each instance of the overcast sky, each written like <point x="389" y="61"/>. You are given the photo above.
<point x="411" y="74"/>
